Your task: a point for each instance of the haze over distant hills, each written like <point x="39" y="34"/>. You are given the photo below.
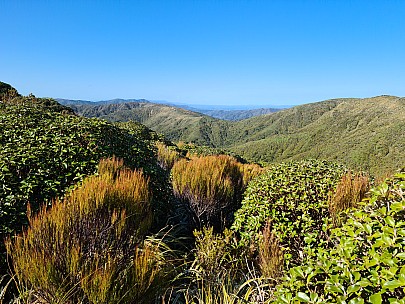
<point x="367" y="133"/>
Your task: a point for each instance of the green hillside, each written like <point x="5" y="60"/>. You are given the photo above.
<point x="236" y="114"/>
<point x="175" y="123"/>
<point x="365" y="133"/>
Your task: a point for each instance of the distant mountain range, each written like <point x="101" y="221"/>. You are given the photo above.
<point x="221" y="112"/>
<point x="364" y="133"/>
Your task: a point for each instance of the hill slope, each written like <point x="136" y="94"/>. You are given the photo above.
<point x="176" y="123"/>
<point x="368" y="133"/>
<point x="225" y="114"/>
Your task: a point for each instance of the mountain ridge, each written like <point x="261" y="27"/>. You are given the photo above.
<point x="361" y="132"/>
<point x="215" y="112"/>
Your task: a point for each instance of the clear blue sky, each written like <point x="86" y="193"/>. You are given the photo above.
<point x="229" y="52"/>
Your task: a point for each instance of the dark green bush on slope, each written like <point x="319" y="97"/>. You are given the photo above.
<point x="7" y="92"/>
<point x="367" y="263"/>
<point x="294" y="197"/>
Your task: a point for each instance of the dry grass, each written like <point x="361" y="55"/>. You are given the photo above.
<point x="90" y="245"/>
<point x="350" y="190"/>
<point x="212" y="186"/>
<point x="270" y="254"/>
<point x="166" y="156"/>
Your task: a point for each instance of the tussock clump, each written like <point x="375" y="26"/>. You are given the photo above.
<point x="166" y="156"/>
<point x="351" y="189"/>
<point x="270" y="254"/>
<point x="90" y="246"/>
<point x="212" y="186"/>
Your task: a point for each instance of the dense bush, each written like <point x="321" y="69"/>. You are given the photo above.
<point x="141" y="131"/>
<point x="367" y="263"/>
<point x="294" y="197"/>
<point x="90" y="247"/>
<point x="7" y="92"/>
<point x="212" y="186"/>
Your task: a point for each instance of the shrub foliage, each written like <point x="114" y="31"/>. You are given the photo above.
<point x="294" y="197"/>
<point x="367" y="262"/>
<point x="45" y="150"/>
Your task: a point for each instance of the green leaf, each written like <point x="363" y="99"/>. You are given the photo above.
<point x="390" y="221"/>
<point x="392" y="284"/>
<point x="353" y="289"/>
<point x="303" y="297"/>
<point x="376" y="298"/>
<point x="356" y="301"/>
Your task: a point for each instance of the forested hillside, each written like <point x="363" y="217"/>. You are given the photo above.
<point x="365" y="133"/>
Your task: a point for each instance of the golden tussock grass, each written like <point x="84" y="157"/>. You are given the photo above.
<point x="90" y="244"/>
<point x="350" y="190"/>
<point x="270" y="254"/>
<point x="166" y="156"/>
<point x="211" y="185"/>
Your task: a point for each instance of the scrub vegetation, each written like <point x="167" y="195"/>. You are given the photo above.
<point x="99" y="212"/>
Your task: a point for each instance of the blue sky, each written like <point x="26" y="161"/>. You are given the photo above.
<point x="229" y="52"/>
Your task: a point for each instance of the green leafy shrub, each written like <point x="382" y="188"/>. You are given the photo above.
<point x="367" y="263"/>
<point x="141" y="131"/>
<point x="212" y="186"/>
<point x="7" y="92"/>
<point x="91" y="245"/>
<point x="294" y="197"/>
